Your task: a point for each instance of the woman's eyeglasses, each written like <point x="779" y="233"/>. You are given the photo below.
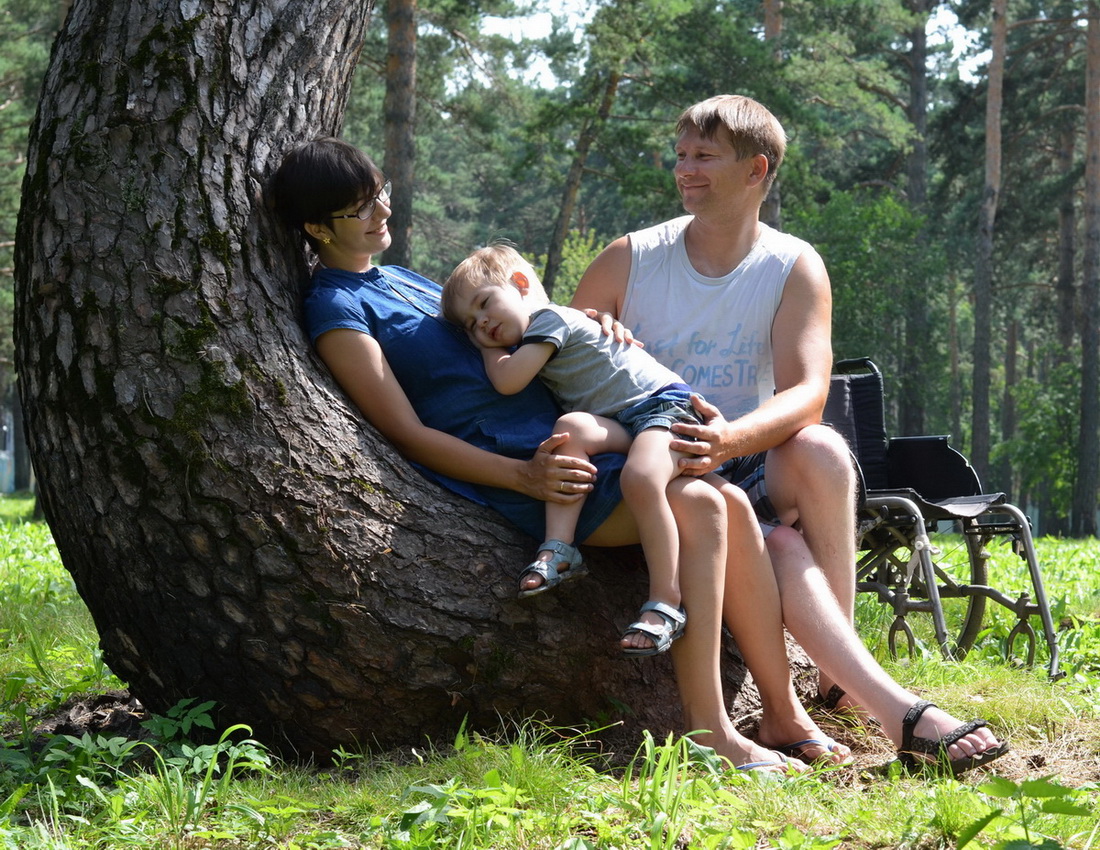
<point x="367" y="210"/>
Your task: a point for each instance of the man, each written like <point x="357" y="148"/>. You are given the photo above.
<point x="743" y="314"/>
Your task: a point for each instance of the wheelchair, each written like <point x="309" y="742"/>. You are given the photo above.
<point x="927" y="535"/>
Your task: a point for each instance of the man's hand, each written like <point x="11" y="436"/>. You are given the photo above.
<point x="613" y="327"/>
<point x="705" y="449"/>
<point x="557" y="478"/>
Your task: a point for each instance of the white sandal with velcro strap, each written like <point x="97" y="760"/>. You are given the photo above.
<point x="564" y="555"/>
<point x="675" y="620"/>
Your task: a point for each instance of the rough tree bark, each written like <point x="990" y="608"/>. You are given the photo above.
<point x="236" y="530"/>
<point x="399" y="109"/>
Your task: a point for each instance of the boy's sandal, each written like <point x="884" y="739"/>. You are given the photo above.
<point x="565" y="556"/>
<point x="913" y="746"/>
<point x="663" y="635"/>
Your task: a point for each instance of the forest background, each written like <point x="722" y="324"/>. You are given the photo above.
<point x="943" y="159"/>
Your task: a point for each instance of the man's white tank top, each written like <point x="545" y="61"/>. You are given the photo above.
<point x="716" y="333"/>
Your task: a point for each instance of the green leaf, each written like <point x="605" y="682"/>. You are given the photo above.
<point x="1044" y="787"/>
<point x="1065" y="807"/>
<point x="492" y="779"/>
<point x="967" y="834"/>
<point x="998" y="786"/>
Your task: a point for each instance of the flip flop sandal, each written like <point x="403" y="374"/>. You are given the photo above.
<point x="912" y="744"/>
<point x="675" y="619"/>
<point x="798" y="750"/>
<point x="754" y="766"/>
<point x="564" y="555"/>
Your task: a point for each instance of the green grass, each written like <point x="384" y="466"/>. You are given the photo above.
<point x="532" y="786"/>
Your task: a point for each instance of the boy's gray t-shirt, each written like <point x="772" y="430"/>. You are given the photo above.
<point x="590" y="371"/>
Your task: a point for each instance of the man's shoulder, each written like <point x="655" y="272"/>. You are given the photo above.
<point x="781" y="242"/>
<point x="663" y="233"/>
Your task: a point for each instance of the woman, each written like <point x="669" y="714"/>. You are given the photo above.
<point x="422" y="384"/>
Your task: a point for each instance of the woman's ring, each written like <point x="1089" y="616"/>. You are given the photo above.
<point x="561" y="486"/>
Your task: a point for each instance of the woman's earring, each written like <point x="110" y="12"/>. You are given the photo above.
<point x="326" y="241"/>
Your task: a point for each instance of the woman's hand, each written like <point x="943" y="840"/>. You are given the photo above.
<point x="557" y="478"/>
<point x="704" y="450"/>
<point x="613" y="327"/>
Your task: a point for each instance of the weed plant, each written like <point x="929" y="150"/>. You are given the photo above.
<point x="531" y="785"/>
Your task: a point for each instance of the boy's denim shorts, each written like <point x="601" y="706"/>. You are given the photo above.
<point x="663" y="408"/>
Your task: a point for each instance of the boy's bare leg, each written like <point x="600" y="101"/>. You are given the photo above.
<point x="588" y="435"/>
<point x="644" y="480"/>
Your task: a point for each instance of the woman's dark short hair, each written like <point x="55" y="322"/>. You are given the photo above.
<point x="320" y="178"/>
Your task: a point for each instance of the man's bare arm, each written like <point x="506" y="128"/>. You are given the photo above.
<point x="802" y="354"/>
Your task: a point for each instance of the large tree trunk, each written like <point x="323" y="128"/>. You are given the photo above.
<point x="983" y="269"/>
<point x="917" y="319"/>
<point x="771" y="211"/>
<point x="1087" y="486"/>
<point x="236" y="530"/>
<point x="399" y="108"/>
<point x="590" y="131"/>
<point x="1065" y="284"/>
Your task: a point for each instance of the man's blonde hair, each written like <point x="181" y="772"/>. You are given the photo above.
<point x="748" y="125"/>
<point x="492" y="265"/>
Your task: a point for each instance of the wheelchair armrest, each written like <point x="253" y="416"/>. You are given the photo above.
<point x="931" y="467"/>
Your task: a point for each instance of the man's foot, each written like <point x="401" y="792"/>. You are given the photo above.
<point x="930" y="735"/>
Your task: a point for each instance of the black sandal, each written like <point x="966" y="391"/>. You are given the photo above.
<point x="912" y="744"/>
<point x="831" y="700"/>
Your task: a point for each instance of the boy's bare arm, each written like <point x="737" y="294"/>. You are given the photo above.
<point x="510" y="373"/>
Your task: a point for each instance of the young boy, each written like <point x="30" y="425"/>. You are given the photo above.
<point x="497" y="297"/>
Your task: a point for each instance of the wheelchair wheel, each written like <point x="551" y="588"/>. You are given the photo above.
<point x="962" y="561"/>
<point x="958" y="561"/>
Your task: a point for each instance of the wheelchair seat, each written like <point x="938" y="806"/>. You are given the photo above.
<point x="926" y="531"/>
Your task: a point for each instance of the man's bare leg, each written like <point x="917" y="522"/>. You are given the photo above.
<point x="816" y="620"/>
<point x="810" y="479"/>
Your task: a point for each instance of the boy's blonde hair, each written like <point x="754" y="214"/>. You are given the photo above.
<point x="747" y="124"/>
<point x="492" y="265"/>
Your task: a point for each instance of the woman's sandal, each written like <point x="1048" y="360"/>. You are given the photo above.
<point x="798" y="750"/>
<point x="564" y="555"/>
<point x="675" y="619"/>
<point x="913" y="746"/>
<point x="781" y="762"/>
